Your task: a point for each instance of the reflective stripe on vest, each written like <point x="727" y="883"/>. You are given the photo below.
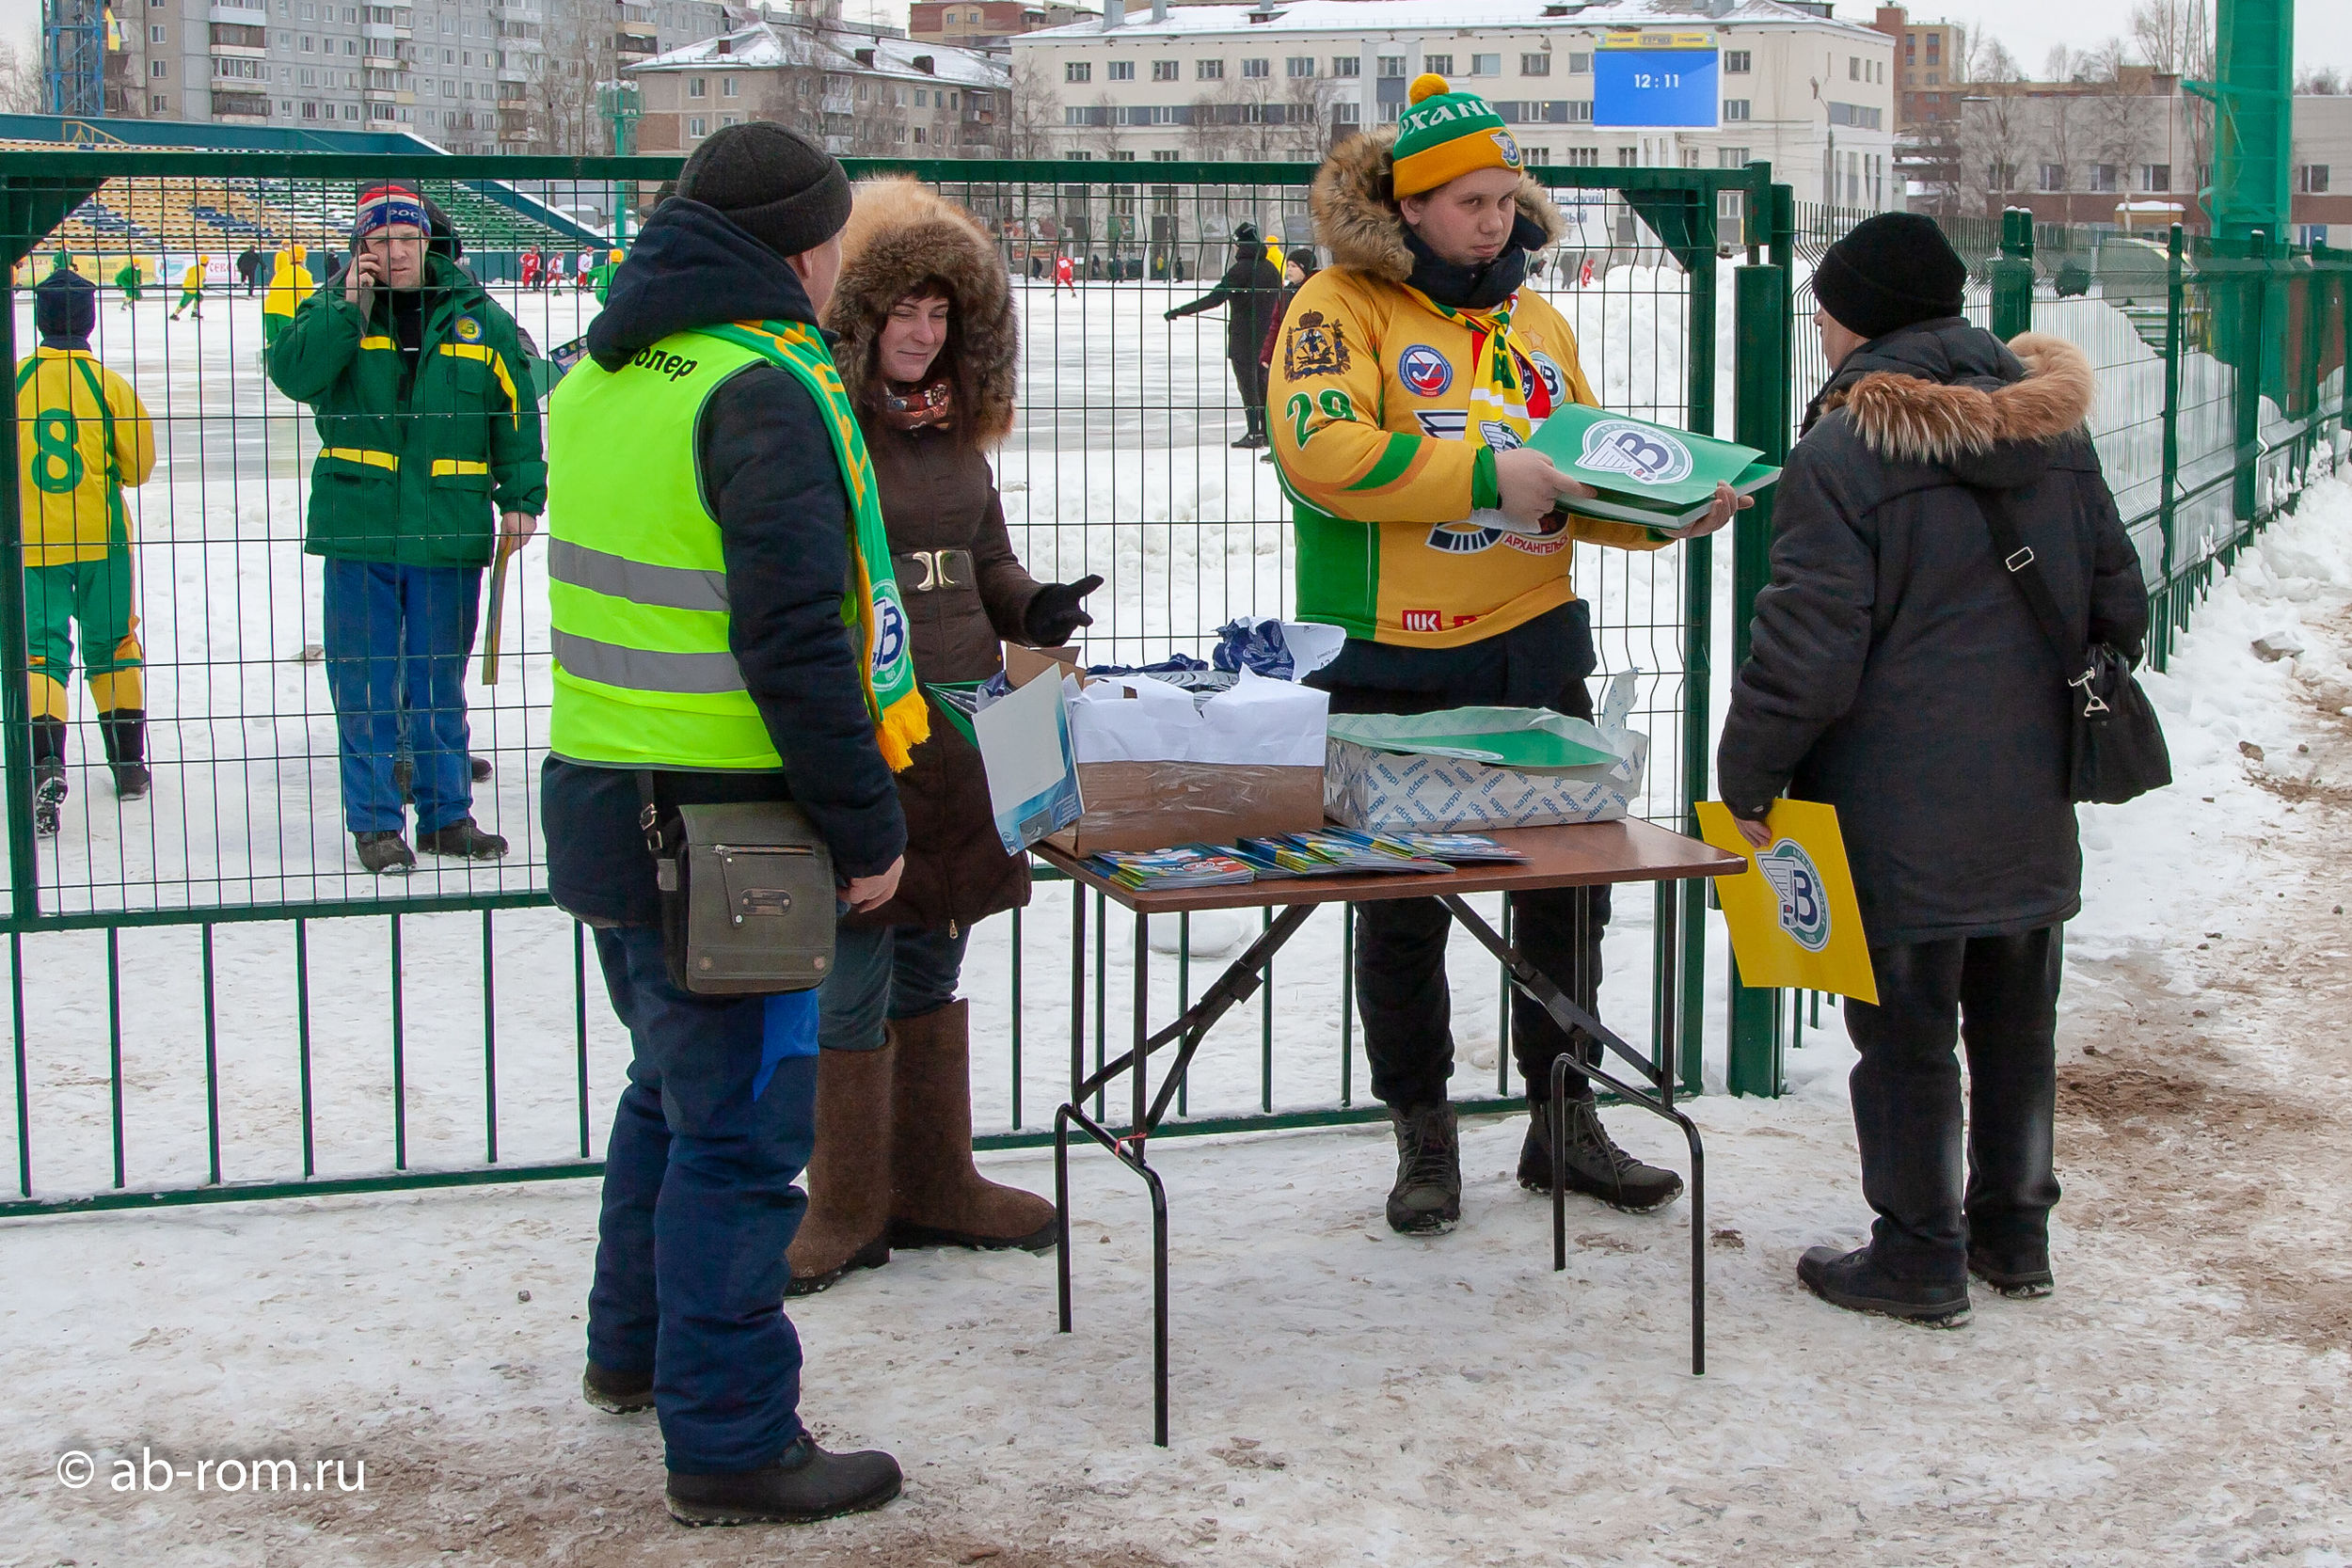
<point x="637" y="579"/>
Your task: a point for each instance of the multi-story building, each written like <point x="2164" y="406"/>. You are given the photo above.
<point x="1794" y="85"/>
<point x="1930" y="58"/>
<point x="473" y="75"/>
<point x="981" y="24"/>
<point x="868" y="90"/>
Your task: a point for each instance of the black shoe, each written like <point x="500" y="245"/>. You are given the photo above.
<point x="1250" y="442"/>
<point x="464" y="840"/>
<point x="478" y="767"/>
<point x="131" y="780"/>
<point x="49" y="792"/>
<point x="1851" y="1281"/>
<point x="2020" y="1276"/>
<point x="124" y="730"/>
<point x="1597" y="1167"/>
<point x="383" y="852"/>
<point x="621" y="1393"/>
<point x="1427" y="1197"/>
<point x="803" y="1486"/>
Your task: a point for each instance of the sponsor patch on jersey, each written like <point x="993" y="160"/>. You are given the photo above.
<point x="1423" y="620"/>
<point x="1500" y="437"/>
<point x="1463" y="539"/>
<point x="1551" y="538"/>
<point x="1443" y="424"/>
<point x="1425" y="371"/>
<point x="469" y="330"/>
<point x="1313" y="346"/>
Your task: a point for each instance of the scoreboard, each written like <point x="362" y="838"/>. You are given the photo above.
<point x="1657" y="80"/>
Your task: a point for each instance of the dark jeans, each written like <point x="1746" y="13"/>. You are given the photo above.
<point x="885" y="972"/>
<point x="718" y="1119"/>
<point x="1999" y="997"/>
<point x="1401" y="983"/>
<point x="397" y="639"/>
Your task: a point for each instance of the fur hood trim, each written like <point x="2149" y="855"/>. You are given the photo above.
<point x="1911" y="419"/>
<point x="900" y="232"/>
<point x="1356" y="216"/>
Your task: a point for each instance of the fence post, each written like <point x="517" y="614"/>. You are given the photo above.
<point x="2013" y="275"/>
<point x="1698" y="594"/>
<point x="2246" y="353"/>
<point x="16" y="718"/>
<point x="2168" y="491"/>
<point x="1760" y="419"/>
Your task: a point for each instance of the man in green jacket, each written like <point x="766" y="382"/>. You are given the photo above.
<point x="430" y="462"/>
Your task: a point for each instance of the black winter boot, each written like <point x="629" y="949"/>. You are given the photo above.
<point x="2020" y="1276"/>
<point x="464" y="840"/>
<point x="1852" y="1281"/>
<point x="48" y="787"/>
<point x="125" y="732"/>
<point x="385" y="851"/>
<point x="621" y="1393"/>
<point x="1597" y="1167"/>
<point x="803" y="1486"/>
<point x="1427" y="1197"/>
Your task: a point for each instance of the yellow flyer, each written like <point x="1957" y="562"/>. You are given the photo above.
<point x="1793" y="918"/>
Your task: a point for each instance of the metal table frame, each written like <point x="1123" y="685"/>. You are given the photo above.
<point x="1651" y="1087"/>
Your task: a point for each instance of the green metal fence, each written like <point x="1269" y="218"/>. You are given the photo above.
<point x="208" y="997"/>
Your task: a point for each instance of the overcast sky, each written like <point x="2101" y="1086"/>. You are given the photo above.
<point x="2323" y="28"/>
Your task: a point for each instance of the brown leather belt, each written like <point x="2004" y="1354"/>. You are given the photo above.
<point x="933" y="571"/>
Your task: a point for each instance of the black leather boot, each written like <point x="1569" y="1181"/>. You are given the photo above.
<point x="125" y="731"/>
<point x="1597" y="1167"/>
<point x="803" y="1485"/>
<point x="1427" y="1197"/>
<point x="49" y="787"/>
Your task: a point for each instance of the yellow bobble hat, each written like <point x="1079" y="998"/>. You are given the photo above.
<point x="1446" y="135"/>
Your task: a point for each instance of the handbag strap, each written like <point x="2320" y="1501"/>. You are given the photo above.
<point x="650" y="815"/>
<point x="2024" y="569"/>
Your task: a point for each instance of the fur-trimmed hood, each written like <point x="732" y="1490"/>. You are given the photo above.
<point x="1951" y="394"/>
<point x="901" y="232"/>
<point x="1356" y="218"/>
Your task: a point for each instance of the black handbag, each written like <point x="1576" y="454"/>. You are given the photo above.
<point x="2116" y="748"/>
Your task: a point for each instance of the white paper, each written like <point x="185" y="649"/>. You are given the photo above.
<point x="1313" y="646"/>
<point x="1020" y="736"/>
<point x="1258" y="720"/>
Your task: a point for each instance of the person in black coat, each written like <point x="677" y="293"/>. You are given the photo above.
<point x="1896" y="673"/>
<point x="1251" y="292"/>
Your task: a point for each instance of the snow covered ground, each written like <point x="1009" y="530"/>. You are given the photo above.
<point x="1344" y="1395"/>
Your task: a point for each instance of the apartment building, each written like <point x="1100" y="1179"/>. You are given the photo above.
<point x="1930" y="58"/>
<point x="473" y="75"/>
<point x="981" y="23"/>
<point x="868" y="91"/>
<point x="1272" y="81"/>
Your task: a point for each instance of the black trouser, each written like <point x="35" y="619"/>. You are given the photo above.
<point x="1998" y="996"/>
<point x="1250" y="379"/>
<point x="1400" y="984"/>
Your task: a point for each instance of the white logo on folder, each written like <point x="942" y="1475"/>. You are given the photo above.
<point x="1643" y="454"/>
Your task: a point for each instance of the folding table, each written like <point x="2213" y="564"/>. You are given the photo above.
<point x="1593" y="854"/>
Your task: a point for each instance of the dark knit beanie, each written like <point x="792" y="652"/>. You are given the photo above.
<point x="770" y="182"/>
<point x="65" y="305"/>
<point x="1888" y="271"/>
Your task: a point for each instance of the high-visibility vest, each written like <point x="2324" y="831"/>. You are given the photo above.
<point x="636" y="587"/>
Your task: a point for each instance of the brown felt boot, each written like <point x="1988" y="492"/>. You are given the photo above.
<point x="938" y="1198"/>
<point x="848" y="1223"/>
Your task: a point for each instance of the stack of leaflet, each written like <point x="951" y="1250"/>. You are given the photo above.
<point x="1457" y="848"/>
<point x="1166" y="870"/>
<point x="1331" y="852"/>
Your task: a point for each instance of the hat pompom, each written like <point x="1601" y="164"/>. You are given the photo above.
<point x="1428" y="84"/>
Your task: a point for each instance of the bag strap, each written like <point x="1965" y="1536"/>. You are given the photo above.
<point x="650" y="815"/>
<point x="2024" y="569"/>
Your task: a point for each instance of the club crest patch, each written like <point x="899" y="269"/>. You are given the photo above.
<point x="1443" y="424"/>
<point x="1500" y="437"/>
<point x="1643" y="454"/>
<point x="1510" y="147"/>
<point x="1804" y="906"/>
<point x="1425" y="371"/>
<point x="469" y="330"/>
<point x="1548" y="370"/>
<point x="1313" y="346"/>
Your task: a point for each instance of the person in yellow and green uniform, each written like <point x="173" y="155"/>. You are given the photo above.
<point x="191" y="291"/>
<point x="430" y="457"/>
<point x="725" y="627"/>
<point x="1406" y="378"/>
<point x="600" y="275"/>
<point x="81" y="435"/>
<point x="130" y="281"/>
<point x="290" y="284"/>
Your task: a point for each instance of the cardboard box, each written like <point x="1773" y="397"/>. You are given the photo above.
<point x="1382" y="790"/>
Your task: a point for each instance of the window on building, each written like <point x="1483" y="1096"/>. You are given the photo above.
<point x="1297" y="66"/>
<point x="158" y="104"/>
<point x="1580" y="64"/>
<point x="1628" y="157"/>
<point x="1935" y="46"/>
<point x="156" y="33"/>
<point x="1579" y="111"/>
<point x="1077" y="70"/>
<point x="726" y="86"/>
<point x="1536" y="65"/>
<point x="351" y="111"/>
<point x="1441" y="64"/>
<point x="1853" y="67"/>
<point x="1584" y="157"/>
<point x="1735" y="108"/>
<point x="923" y="99"/>
<point x="1120" y="71"/>
<point x="2311" y="179"/>
<point x="1731" y="157"/>
<point x="1535" y="156"/>
<point x="1392" y="66"/>
<point x="1486" y="65"/>
<point x="697" y="127"/>
<point x="2311" y="235"/>
<point x="2103" y="178"/>
<point x="1736" y="62"/>
<point x="157" y="69"/>
<point x="1348" y="65"/>
<point x="1122" y="157"/>
<point x="1208" y="70"/>
<point x="697" y="87"/>
<point x="1255" y="68"/>
<point x="2053" y="176"/>
<point x="919" y="135"/>
<point x="1164" y="70"/>
<point x="1165" y="156"/>
<point x="1349" y="113"/>
<point x="1079" y="155"/>
<point x="2156" y="178"/>
<point x="2000" y="177"/>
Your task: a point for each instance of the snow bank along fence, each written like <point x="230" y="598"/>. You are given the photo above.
<point x="210" y="999"/>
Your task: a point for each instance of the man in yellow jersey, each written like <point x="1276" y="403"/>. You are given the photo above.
<point x="712" y="517"/>
<point x="1406" y="378"/>
<point x="81" y="435"/>
<point x="191" y="291"/>
<point x="290" y="284"/>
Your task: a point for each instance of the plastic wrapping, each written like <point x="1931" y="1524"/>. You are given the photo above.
<point x="1153" y="805"/>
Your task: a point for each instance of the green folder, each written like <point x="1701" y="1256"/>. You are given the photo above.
<point x="1643" y="472"/>
<point x="1524" y="739"/>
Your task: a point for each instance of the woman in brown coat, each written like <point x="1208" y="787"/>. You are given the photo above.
<point x="927" y="348"/>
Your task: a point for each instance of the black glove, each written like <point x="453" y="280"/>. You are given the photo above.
<point x="1054" y="613"/>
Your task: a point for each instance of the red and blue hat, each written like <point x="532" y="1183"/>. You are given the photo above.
<point x="385" y="205"/>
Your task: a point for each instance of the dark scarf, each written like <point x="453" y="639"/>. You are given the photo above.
<point x="1474" y="288"/>
<point x="929" y="406"/>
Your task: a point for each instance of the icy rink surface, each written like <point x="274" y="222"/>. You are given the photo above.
<point x="1347" y="1396"/>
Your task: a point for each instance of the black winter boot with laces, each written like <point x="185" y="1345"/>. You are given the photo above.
<point x="1597" y="1167"/>
<point x="1427" y="1197"/>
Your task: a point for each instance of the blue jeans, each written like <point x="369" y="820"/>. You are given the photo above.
<point x="718" y="1120"/>
<point x="885" y="972"/>
<point x="397" y="639"/>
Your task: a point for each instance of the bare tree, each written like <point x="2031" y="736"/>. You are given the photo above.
<point x="1985" y="59"/>
<point x="1307" y="106"/>
<point x="19" y="76"/>
<point x="581" y="54"/>
<point x="1036" y="111"/>
<point x="2104" y="62"/>
<point x="2325" y="81"/>
<point x="1260" y="122"/>
<point x="794" y="93"/>
<point x="1104" y="136"/>
<point x="1210" y="131"/>
<point x="2174" y="35"/>
<point x="2061" y="63"/>
<point x="1996" y="137"/>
